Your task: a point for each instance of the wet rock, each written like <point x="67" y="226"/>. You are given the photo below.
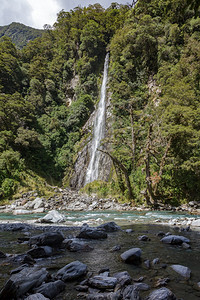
<point x="72" y="271"/>
<point x="51" y="289"/>
<point x="182" y="270"/>
<point x="109" y="227"/>
<point x="175" y="240"/>
<point x="131" y="293"/>
<point x="53" y="239"/>
<point x="53" y="217"/>
<point x="104" y="296"/>
<point x="161" y="294"/>
<point x="20" y="283"/>
<point x="132" y="256"/>
<point x="123" y="278"/>
<point x="37" y="296"/>
<point x="92" y="233"/>
<point x="75" y="246"/>
<point x="116" y="248"/>
<point x="102" y="282"/>
<point x="140" y="286"/>
<point x="2" y="255"/>
<point x="39" y="252"/>
<point x="143" y="238"/>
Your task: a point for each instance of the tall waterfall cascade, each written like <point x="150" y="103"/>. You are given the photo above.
<point x="92" y="172"/>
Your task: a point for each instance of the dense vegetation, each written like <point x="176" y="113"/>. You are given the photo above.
<point x="50" y="87"/>
<point x="20" y="34"/>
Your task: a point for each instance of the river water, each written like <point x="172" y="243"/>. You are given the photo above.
<point x="101" y="256"/>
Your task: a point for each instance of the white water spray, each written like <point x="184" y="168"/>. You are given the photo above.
<point x="99" y="130"/>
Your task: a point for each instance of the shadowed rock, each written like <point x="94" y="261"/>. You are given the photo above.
<point x="132" y="256"/>
<point x="51" y="289"/>
<point x="102" y="282"/>
<point x="53" y="239"/>
<point x="175" y="240"/>
<point x="37" y="296"/>
<point x="92" y="233"/>
<point x="161" y="294"/>
<point x="72" y="271"/>
<point x="109" y="227"/>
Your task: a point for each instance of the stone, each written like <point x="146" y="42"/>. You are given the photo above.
<point x="39" y="252"/>
<point x="175" y="240"/>
<point x="53" y="217"/>
<point x="116" y="248"/>
<point x="75" y="246"/>
<point x="147" y="264"/>
<point x="186" y="246"/>
<point x="2" y="255"/>
<point x="53" y="239"/>
<point x="132" y="256"/>
<point x="155" y="261"/>
<point x="123" y="278"/>
<point x="22" y="282"/>
<point x="129" y="230"/>
<point x="161" y="294"/>
<point x="143" y="238"/>
<point x="104" y="296"/>
<point x="195" y="223"/>
<point x="140" y="286"/>
<point x="51" y="289"/>
<point x="36" y="296"/>
<point x="72" y="271"/>
<point x="182" y="270"/>
<point x="160" y="233"/>
<point x="22" y="212"/>
<point x="102" y="282"/>
<point x="109" y="227"/>
<point x="92" y="233"/>
<point x="162" y="282"/>
<point x="131" y="293"/>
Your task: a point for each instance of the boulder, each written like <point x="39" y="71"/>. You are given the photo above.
<point x="140" y="286"/>
<point x="143" y="238"/>
<point x="109" y="227"/>
<point x="75" y="246"/>
<point x="72" y="271"/>
<point x="53" y="217"/>
<point x="175" y="240"/>
<point x="132" y="256"/>
<point x="104" y="296"/>
<point x="92" y="233"/>
<point x="37" y="296"/>
<point x="183" y="271"/>
<point x="161" y="294"/>
<point x="123" y="278"/>
<point x="53" y="239"/>
<point x="21" y="212"/>
<point x="102" y="282"/>
<point x="22" y="282"/>
<point x="131" y="293"/>
<point x="51" y="289"/>
<point x="39" y="252"/>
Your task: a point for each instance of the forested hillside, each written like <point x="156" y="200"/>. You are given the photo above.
<point x="49" y="90"/>
<point x="20" y="34"/>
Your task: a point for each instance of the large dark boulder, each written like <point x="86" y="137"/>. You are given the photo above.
<point x="53" y="239"/>
<point x="51" y="289"/>
<point x="162" y="294"/>
<point x="22" y="282"/>
<point x="39" y="252"/>
<point x="175" y="239"/>
<point x="72" y="271"/>
<point x="92" y="233"/>
<point x="132" y="256"/>
<point x="123" y="278"/>
<point x="109" y="227"/>
<point x="102" y="282"/>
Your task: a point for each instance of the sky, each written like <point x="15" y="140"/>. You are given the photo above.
<point x="36" y="13"/>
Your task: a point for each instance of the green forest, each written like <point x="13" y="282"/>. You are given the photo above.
<point x="49" y="89"/>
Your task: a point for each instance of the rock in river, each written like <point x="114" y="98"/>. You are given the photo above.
<point x="183" y="271"/>
<point x="175" y="240"/>
<point x="53" y="217"/>
<point x="132" y="256"/>
<point x="161" y="294"/>
<point x="72" y="271"/>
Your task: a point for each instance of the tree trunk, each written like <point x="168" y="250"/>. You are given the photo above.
<point x="133" y="138"/>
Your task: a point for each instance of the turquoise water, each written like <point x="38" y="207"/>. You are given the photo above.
<point x="98" y="217"/>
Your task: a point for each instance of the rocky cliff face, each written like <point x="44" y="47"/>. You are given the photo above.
<point x="85" y="151"/>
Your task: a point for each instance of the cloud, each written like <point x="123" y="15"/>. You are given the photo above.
<point x="15" y="11"/>
<point x="70" y="4"/>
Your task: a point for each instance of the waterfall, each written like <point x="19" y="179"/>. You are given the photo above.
<point x="99" y="130"/>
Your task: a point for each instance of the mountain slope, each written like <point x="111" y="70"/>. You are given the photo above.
<point x="20" y="34"/>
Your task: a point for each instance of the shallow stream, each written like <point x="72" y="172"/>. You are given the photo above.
<point x="102" y="257"/>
